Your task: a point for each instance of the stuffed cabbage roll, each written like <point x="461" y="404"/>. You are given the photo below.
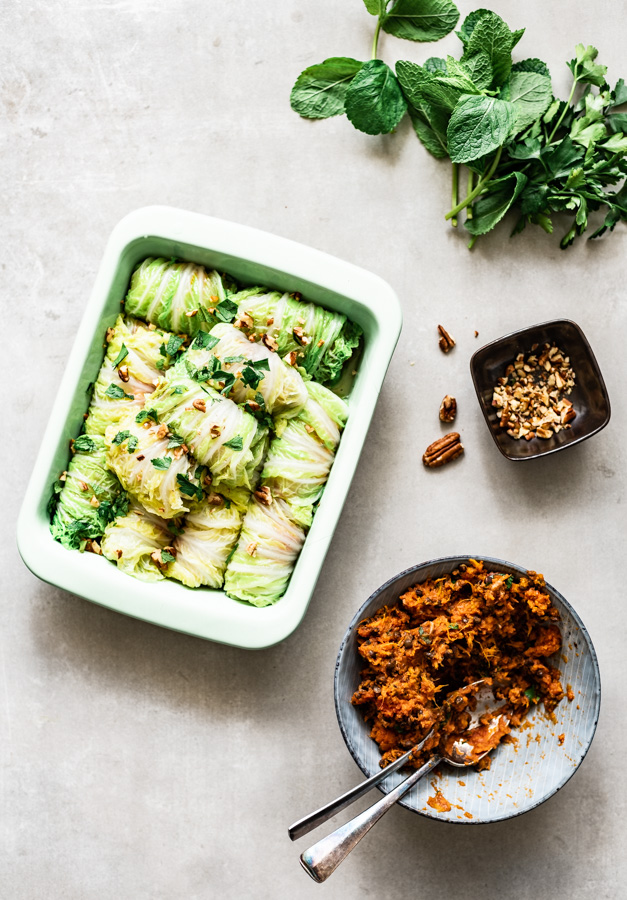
<point x="265" y="554"/>
<point x="210" y="533"/>
<point x="178" y="296"/>
<point x="138" y="543"/>
<point x="153" y="467"/>
<point x="310" y="336"/>
<point x="86" y="497"/>
<point x="301" y="455"/>
<point x="136" y="359"/>
<point x="221" y="435"/>
<point x="248" y="370"/>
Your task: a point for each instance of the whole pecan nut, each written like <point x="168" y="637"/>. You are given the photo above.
<point x="446" y="342"/>
<point x="448" y="409"/>
<point x="443" y="450"/>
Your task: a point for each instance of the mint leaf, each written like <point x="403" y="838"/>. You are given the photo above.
<point x="116" y="393"/>
<point x="320" y="91"/>
<point x="490" y="208"/>
<point x="480" y="69"/>
<point x="421" y="20"/>
<point x="531" y="93"/>
<point x="375" y="7"/>
<point x="174" y="345"/>
<point x="162" y="462"/>
<point x="531" y="65"/>
<point x="226" y="311"/>
<point x="491" y="36"/>
<point x="121" y="355"/>
<point x="435" y="64"/>
<point x="468" y="25"/>
<point x="236" y="443"/>
<point x="427" y="135"/>
<point x="374" y="102"/>
<point x="478" y="126"/>
<point x="205" y="341"/>
<point x="84" y="443"/>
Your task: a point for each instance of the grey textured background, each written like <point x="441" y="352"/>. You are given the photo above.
<point x="138" y="763"/>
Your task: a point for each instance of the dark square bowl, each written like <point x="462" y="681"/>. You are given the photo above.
<point x="589" y="396"/>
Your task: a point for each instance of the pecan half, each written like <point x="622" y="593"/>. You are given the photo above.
<point x="446" y="342"/>
<point x="448" y="409"/>
<point x="264" y="495"/>
<point x="443" y="450"/>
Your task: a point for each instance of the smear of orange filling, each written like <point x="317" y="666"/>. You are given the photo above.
<point x="439" y="802"/>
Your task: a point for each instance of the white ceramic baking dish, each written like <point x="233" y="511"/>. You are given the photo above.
<point x="253" y="257"/>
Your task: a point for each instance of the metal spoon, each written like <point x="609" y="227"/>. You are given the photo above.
<point x="323" y="858"/>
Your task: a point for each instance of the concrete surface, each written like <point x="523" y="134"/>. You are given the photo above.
<point x="139" y="764"/>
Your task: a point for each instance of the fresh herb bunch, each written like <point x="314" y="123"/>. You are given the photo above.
<point x="523" y="149"/>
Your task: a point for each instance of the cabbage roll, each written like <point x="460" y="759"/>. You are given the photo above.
<point x="86" y="497"/>
<point x="210" y="533"/>
<point x="153" y="467"/>
<point x="138" y="543"/>
<point x="136" y="358"/>
<point x="221" y="435"/>
<point x="301" y="455"/>
<point x="178" y="296"/>
<point x="310" y="336"/>
<point x="265" y="554"/>
<point x="247" y="371"/>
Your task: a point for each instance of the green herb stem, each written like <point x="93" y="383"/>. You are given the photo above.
<point x="568" y="102"/>
<point x="455" y="192"/>
<point x="469" y="186"/>
<point x="375" y="40"/>
<point x="478" y="189"/>
<point x="471" y="242"/>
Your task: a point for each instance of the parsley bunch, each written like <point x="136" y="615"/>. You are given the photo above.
<point x="522" y="148"/>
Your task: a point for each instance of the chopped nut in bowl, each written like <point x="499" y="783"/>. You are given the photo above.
<point x="540" y="389"/>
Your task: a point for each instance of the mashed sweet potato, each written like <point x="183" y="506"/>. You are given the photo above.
<point x="448" y="633"/>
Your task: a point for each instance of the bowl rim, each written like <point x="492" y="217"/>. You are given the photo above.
<point x="202" y="612"/>
<point x="516" y="569"/>
<point x="474" y="367"/>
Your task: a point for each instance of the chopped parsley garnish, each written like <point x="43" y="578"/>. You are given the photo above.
<point x="121" y="436"/>
<point x="204" y="373"/>
<point x="235" y="443"/>
<point x="205" y="341"/>
<point x="160" y="364"/>
<point x="110" y="510"/>
<point x="57" y="487"/>
<point x="166" y="557"/>
<point x="424" y="636"/>
<point x="179" y="389"/>
<point x="84" y="443"/>
<point x="116" y="393"/>
<point x="188" y="487"/>
<point x="146" y="414"/>
<point x="234" y="359"/>
<point x="227" y="377"/>
<point x="509" y="582"/>
<point x="174" y="345"/>
<point x="532" y="694"/>
<point x="175" y="440"/>
<point x="162" y="462"/>
<point x="132" y="444"/>
<point x="252" y="374"/>
<point x="121" y="355"/>
<point x="226" y="310"/>
<point x="453" y="627"/>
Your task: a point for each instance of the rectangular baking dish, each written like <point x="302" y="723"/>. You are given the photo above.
<point x="252" y="257"/>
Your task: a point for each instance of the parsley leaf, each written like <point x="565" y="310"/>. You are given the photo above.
<point x="234" y="359"/>
<point x="226" y="310"/>
<point x="167" y="557"/>
<point x="120" y="437"/>
<point x="188" y="487"/>
<point x="84" y="443"/>
<point x="144" y="414"/>
<point x="205" y="341"/>
<point x="236" y="443"/>
<point x="162" y="462"/>
<point x="532" y="694"/>
<point x="175" y="440"/>
<point x="132" y="444"/>
<point x="174" y="345"/>
<point x="121" y="355"/>
<point x="509" y="582"/>
<point x="116" y="393"/>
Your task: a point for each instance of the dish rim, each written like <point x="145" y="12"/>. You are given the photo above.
<point x="474" y="367"/>
<point x="516" y="569"/>
<point x="240" y="625"/>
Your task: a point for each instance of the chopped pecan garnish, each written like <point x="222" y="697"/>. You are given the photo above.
<point x="200" y="405"/>
<point x="215" y="431"/>
<point x="446" y="342"/>
<point x="93" y="547"/>
<point x="448" y="409"/>
<point x="264" y="495"/>
<point x="290" y="359"/>
<point x="269" y="341"/>
<point x="252" y="548"/>
<point x="83" y="486"/>
<point x="245" y="321"/>
<point x="95" y="502"/>
<point x="443" y="450"/>
<point x="269" y="322"/>
<point x="300" y="336"/>
<point x="253" y="406"/>
<point x="162" y="430"/>
<point x="214" y="500"/>
<point x="109" y="335"/>
<point x="191" y="312"/>
<point x="123" y="373"/>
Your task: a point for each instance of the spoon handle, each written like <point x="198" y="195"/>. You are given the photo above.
<point x="308" y="823"/>
<point x="323" y="858"/>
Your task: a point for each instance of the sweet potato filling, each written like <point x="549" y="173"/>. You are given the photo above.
<point x="444" y="635"/>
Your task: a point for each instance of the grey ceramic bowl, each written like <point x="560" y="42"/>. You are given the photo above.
<point x="523" y="774"/>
